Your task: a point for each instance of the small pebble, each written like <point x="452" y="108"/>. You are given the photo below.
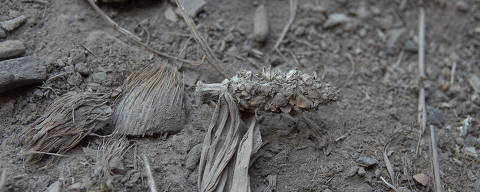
<point x="336" y="19"/>
<point x="170" y="14"/>
<point x="12" y="24"/>
<point x="75" y="79"/>
<point x="421" y="178"/>
<point x="352" y="171"/>
<point x="99" y="77"/>
<point x="193" y="7"/>
<point x="260" y="24"/>
<point x="366" y="161"/>
<point x="361" y="172"/>
<point x="11" y="49"/>
<point x="470" y="151"/>
<point x="462" y="6"/>
<point x="78" y="56"/>
<point x="193" y="157"/>
<point x="3" y="34"/>
<point x="55" y="187"/>
<point x="82" y="68"/>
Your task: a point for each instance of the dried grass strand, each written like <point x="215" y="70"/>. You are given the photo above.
<point x="152" y="102"/>
<point x="65" y="123"/>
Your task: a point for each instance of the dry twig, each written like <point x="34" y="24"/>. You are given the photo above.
<point x="132" y="36"/>
<point x="211" y="58"/>
<point x="422" y="116"/>
<point x="389" y="166"/>
<point x="293" y="12"/>
<point x="148" y="171"/>
<point x="3" y="180"/>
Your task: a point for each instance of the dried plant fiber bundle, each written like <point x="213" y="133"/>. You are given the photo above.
<point x="65" y="123"/>
<point x="151" y="102"/>
<point x="226" y="153"/>
<point x="272" y="91"/>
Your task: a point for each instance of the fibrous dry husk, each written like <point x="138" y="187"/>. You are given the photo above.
<point x="272" y="91"/>
<point x="152" y="102"/>
<point x="225" y="157"/>
<point x="65" y="123"/>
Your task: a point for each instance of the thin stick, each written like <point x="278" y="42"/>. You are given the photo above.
<point x="388" y="184"/>
<point x="435" y="160"/>
<point x="293" y="12"/>
<point x="452" y="73"/>
<point x="151" y="181"/>
<point x="44" y="153"/>
<point x="389" y="166"/>
<point x="198" y="38"/>
<point x="422" y="112"/>
<point x="132" y="36"/>
<point x="3" y="180"/>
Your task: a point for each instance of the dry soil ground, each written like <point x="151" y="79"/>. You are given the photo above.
<point x="375" y="71"/>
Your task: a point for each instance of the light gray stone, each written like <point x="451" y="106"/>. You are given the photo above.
<point x="21" y="72"/>
<point x="11" y="49"/>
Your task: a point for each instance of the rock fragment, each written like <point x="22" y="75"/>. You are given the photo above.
<point x="170" y="14"/>
<point x="23" y="71"/>
<point x="11" y="49"/>
<point x="193" y="157"/>
<point x="55" y="187"/>
<point x="474" y="82"/>
<point x="366" y="161"/>
<point x="12" y="24"/>
<point x="336" y="19"/>
<point x="3" y="34"/>
<point x="470" y="151"/>
<point x="193" y="7"/>
<point x="421" y="178"/>
<point x="260" y="24"/>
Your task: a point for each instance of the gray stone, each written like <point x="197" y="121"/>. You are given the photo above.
<point x="470" y="151"/>
<point x="366" y="161"/>
<point x="393" y="35"/>
<point x="83" y="68"/>
<point x="3" y="34"/>
<point x="327" y="190"/>
<point x="99" y="77"/>
<point x="352" y="171"/>
<point x="170" y="14"/>
<point x="435" y="117"/>
<point x="474" y="82"/>
<point x="21" y="72"/>
<point x="55" y="187"/>
<point x="12" y="24"/>
<point x="462" y="6"/>
<point x="361" y="172"/>
<point x="78" y="56"/>
<point x="336" y="19"/>
<point x="69" y="69"/>
<point x="260" y="24"/>
<point x="476" y="185"/>
<point x="193" y="7"/>
<point x="11" y="49"/>
<point x="75" y="79"/>
<point x="193" y="157"/>
<point x="364" y="188"/>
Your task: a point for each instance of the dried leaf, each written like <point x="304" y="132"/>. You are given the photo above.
<point x="421" y="178"/>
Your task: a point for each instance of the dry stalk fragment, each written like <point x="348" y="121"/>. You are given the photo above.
<point x="65" y="123"/>
<point x="272" y="91"/>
